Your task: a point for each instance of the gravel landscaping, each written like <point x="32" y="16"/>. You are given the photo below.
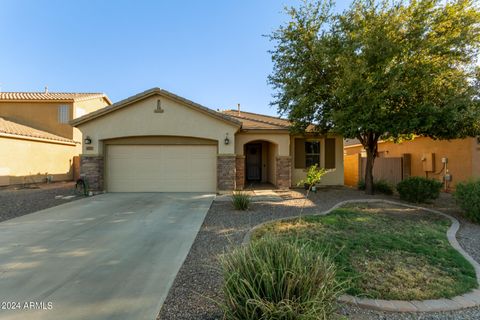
<point x="198" y="283"/>
<point x="16" y="201"/>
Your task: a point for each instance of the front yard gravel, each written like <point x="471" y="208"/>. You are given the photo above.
<point x="16" y="201"/>
<point x="197" y="286"/>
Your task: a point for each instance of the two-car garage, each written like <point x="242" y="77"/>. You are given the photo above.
<point x="157" y="141"/>
<point x="161" y="168"/>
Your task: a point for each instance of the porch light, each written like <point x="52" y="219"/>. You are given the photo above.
<point x="88" y="140"/>
<point x="227" y="141"/>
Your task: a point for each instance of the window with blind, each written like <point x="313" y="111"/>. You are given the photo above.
<point x="307" y="153"/>
<point x="63" y="114"/>
<point x="312" y="153"/>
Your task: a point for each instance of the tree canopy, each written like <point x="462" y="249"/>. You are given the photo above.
<point x="381" y="69"/>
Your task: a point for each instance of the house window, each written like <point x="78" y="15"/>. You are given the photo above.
<point x="63" y="114"/>
<point x="312" y="153"/>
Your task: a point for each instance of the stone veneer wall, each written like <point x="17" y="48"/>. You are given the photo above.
<point x="91" y="169"/>
<point x="226" y="172"/>
<point x="284" y="172"/>
<point x="240" y="172"/>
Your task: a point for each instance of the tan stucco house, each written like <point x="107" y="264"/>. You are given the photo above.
<point x="36" y="140"/>
<point x="158" y="141"/>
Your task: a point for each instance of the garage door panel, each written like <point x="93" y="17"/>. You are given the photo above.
<point x="160" y="168"/>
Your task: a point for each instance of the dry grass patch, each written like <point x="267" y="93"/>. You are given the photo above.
<point x="383" y="251"/>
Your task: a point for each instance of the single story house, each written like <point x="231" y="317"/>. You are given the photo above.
<point x="457" y="159"/>
<point x="157" y="141"/>
<point x="37" y="143"/>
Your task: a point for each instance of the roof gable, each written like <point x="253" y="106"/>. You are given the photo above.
<point x="149" y="93"/>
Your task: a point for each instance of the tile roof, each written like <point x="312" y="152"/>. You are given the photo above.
<point x="351" y="142"/>
<point x="17" y="129"/>
<point x="257" y="121"/>
<point x="50" y="96"/>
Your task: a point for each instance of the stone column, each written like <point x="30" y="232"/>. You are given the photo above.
<point x="226" y="172"/>
<point x="91" y="169"/>
<point x="240" y="172"/>
<point x="284" y="172"/>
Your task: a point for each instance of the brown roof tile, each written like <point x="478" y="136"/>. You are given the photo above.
<point x="50" y="96"/>
<point x="252" y="120"/>
<point x="17" y="129"/>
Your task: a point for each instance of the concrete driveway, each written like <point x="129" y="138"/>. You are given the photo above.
<point x="113" y="256"/>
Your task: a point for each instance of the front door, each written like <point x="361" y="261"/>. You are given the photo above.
<point x="254" y="161"/>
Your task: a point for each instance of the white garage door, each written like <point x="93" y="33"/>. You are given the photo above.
<point x="161" y="168"/>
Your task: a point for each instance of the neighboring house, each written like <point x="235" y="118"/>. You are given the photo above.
<point x="37" y="143"/>
<point x="422" y="156"/>
<point x="158" y="141"/>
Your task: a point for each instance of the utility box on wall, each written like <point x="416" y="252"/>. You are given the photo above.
<point x="428" y="162"/>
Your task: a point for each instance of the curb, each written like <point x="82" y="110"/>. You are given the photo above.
<point x="467" y="300"/>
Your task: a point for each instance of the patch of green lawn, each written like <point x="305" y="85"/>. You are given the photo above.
<point x="384" y="251"/>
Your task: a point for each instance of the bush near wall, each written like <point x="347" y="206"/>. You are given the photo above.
<point x="418" y="189"/>
<point x="381" y="186"/>
<point x="467" y="195"/>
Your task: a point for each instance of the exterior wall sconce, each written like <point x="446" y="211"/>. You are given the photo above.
<point x="88" y="140"/>
<point x="227" y="141"/>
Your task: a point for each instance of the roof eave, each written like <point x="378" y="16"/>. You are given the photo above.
<point x="251" y="130"/>
<point x="31" y="138"/>
<point x="38" y="100"/>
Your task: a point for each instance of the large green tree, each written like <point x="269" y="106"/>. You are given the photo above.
<point x="380" y="70"/>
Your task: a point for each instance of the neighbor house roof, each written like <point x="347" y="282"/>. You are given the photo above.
<point x="351" y="143"/>
<point x="17" y="130"/>
<point x="150" y="93"/>
<point x="255" y="121"/>
<point x="50" y="96"/>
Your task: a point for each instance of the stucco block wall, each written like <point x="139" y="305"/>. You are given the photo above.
<point x="476" y="157"/>
<point x="26" y="161"/>
<point x="462" y="154"/>
<point x="335" y="177"/>
<point x="352" y="169"/>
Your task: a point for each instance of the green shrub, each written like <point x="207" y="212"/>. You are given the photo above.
<point x="240" y="200"/>
<point x="381" y="186"/>
<point x="467" y="195"/>
<point x="313" y="177"/>
<point x="418" y="189"/>
<point x="361" y="185"/>
<point x="274" y="279"/>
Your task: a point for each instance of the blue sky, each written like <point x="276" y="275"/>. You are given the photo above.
<point x="210" y="51"/>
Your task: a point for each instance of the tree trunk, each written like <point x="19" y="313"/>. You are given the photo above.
<point x="370" y="145"/>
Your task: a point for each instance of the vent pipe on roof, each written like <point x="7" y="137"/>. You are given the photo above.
<point x="46" y="89"/>
<point x="238" y="108"/>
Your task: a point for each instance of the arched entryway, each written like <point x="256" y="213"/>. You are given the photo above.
<point x="256" y="167"/>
